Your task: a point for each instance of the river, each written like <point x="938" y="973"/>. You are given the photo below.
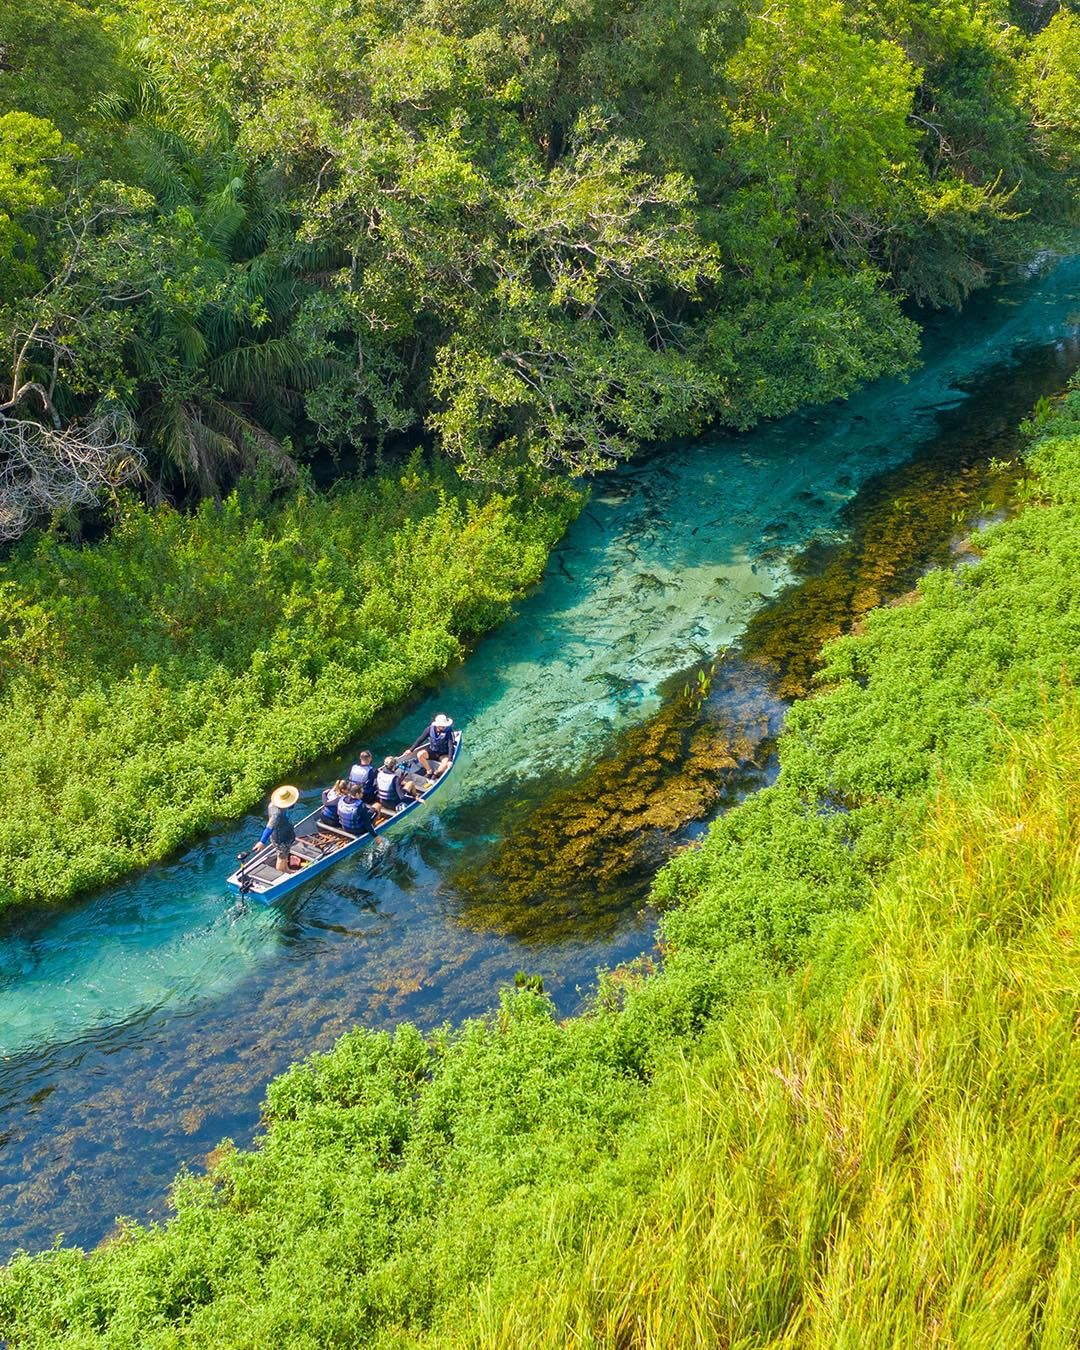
<point x="139" y="1027"/>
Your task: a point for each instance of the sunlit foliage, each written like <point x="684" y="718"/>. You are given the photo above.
<point x="532" y="233"/>
<point x="717" y="1151"/>
<point x="155" y="683"/>
<point x="894" y="1166"/>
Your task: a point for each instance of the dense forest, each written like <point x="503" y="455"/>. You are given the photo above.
<point x="237" y="235"/>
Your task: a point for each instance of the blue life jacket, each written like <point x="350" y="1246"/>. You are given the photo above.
<point x="363" y="776"/>
<point x="329" y="813"/>
<point x="388" y="787"/>
<point x="354" y="815"/>
<point x="440" y="740"/>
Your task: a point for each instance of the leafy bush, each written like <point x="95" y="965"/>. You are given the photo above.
<point x="718" y="1151"/>
<point x="900" y="1169"/>
<point x="159" y="681"/>
<point x="928" y="690"/>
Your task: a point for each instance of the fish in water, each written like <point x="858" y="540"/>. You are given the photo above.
<point x="616" y="684"/>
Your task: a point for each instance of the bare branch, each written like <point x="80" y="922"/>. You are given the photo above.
<point x="45" y="469"/>
<point x="32" y="387"/>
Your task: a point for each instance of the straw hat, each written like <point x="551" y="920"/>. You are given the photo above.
<point x="285" y="796"/>
<point x="443" y="721"/>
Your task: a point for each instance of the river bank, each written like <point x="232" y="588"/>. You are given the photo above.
<point x="146" y="1024"/>
<point x="154" y="683"/>
<point x="397" y="1175"/>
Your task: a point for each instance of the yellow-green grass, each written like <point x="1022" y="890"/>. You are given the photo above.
<point x="902" y="1171"/>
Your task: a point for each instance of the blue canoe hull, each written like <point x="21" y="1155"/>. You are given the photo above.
<point x="259" y="880"/>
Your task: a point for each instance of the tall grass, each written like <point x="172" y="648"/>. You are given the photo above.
<point x="902" y="1171"/>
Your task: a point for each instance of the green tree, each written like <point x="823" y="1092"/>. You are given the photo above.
<point x="1052" y="82"/>
<point x="821" y="117"/>
<point x="28" y="145"/>
<point x="58" y="60"/>
<point x="532" y="232"/>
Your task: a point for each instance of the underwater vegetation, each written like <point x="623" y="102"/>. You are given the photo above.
<point x="908" y="520"/>
<point x="712" y="739"/>
<point x="841" y="1104"/>
<point x="609" y="824"/>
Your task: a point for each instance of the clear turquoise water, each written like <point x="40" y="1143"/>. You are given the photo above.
<point x="140" y="1026"/>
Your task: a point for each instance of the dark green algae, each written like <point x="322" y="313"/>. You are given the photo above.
<point x="572" y="861"/>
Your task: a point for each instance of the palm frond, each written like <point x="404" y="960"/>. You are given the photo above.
<point x="193" y="449"/>
<point x="247" y="369"/>
<point x="188" y="339"/>
<point x="247" y="435"/>
<point x="223" y="214"/>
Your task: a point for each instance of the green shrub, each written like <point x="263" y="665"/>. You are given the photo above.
<point x="898" y="1167"/>
<point x="159" y="681"/>
<point x="839" y="1112"/>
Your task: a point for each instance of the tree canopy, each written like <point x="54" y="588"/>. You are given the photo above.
<point x="247" y="232"/>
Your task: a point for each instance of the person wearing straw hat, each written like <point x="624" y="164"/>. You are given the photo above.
<point x="440" y="743"/>
<point x="279" y="827"/>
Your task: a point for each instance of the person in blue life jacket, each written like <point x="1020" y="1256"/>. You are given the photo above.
<point x="279" y="827"/>
<point x="362" y="775"/>
<point x="352" y="814"/>
<point x="440" y="746"/>
<point x="330" y="798"/>
<point x="391" y="788"/>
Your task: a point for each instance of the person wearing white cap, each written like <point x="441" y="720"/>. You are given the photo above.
<point x="440" y="743"/>
<point x="279" y="827"/>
